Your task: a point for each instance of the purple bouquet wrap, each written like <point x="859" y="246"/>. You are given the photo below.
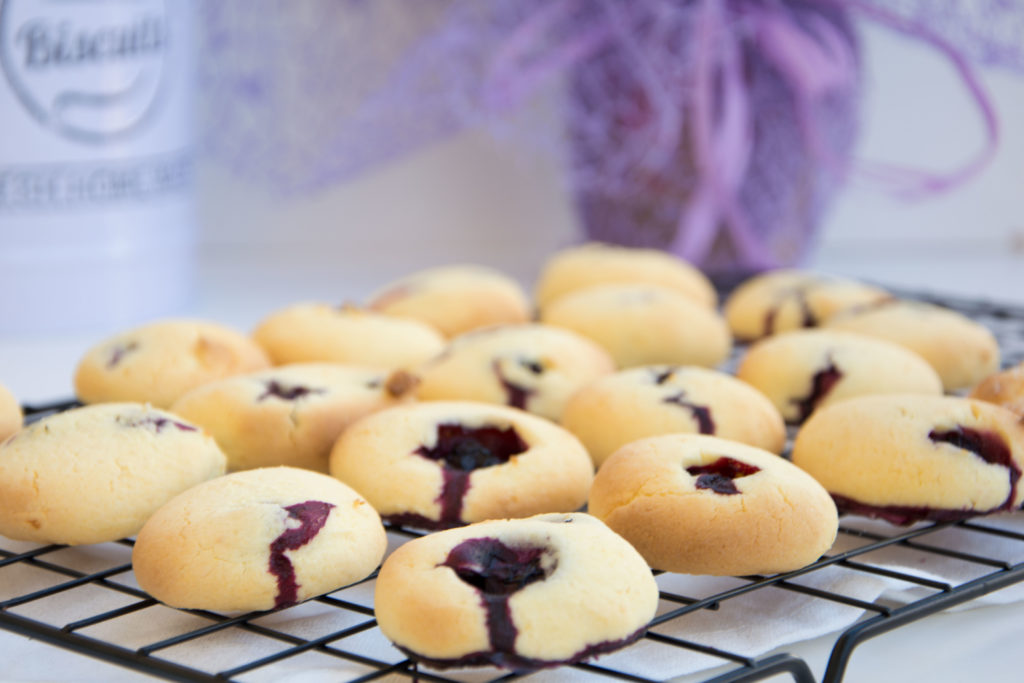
<point x="717" y="129"/>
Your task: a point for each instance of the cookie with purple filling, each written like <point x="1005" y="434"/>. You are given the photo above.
<point x="455" y="299"/>
<point x="664" y="399"/>
<point x="158" y="362"/>
<point x="532" y="367"/>
<point x="643" y="324"/>
<point x="518" y="594"/>
<point x="961" y="350"/>
<point x="699" y="504"/>
<point x="804" y="370"/>
<point x="905" y="458"/>
<point x="10" y="413"/>
<point x="307" y="333"/>
<point x="782" y="300"/>
<point x="289" y="415"/>
<point x="258" y="540"/>
<point x="1004" y="388"/>
<point x="595" y="264"/>
<point x="442" y="464"/>
<point x="97" y="473"/>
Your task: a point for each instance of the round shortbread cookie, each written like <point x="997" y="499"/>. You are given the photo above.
<point x="10" y="413"/>
<point x="158" y="362"/>
<point x="289" y="415"/>
<point x="804" y="370"/>
<point x="600" y="264"/>
<point x="642" y="324"/>
<point x="320" y="333"/>
<point x="97" y="473"/>
<point x="531" y="367"/>
<point x="519" y="594"/>
<point x="662" y="399"/>
<point x="782" y="300"/>
<point x="443" y="464"/>
<point x="1004" y="388"/>
<point x="258" y="540"/>
<point x="702" y="505"/>
<point x="455" y="299"/>
<point x="962" y="351"/>
<point x="909" y="457"/>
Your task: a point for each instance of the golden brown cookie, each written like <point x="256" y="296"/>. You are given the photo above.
<point x="10" y="413"/>
<point x="1004" y="388"/>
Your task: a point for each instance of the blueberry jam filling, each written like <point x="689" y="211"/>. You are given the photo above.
<point x="987" y="445"/>
<point x="702" y="414"/>
<point x="460" y="450"/>
<point x="533" y="366"/>
<point x="900" y="515"/>
<point x="516" y="394"/>
<point x="312" y="515"/>
<point x="662" y="375"/>
<point x="155" y="422"/>
<point x="718" y="476"/>
<point x="286" y="393"/>
<point x="822" y="383"/>
<point x="799" y="295"/>
<point x="497" y="571"/>
<point x="119" y="352"/>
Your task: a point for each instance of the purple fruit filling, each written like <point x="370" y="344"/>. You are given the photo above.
<point x="118" y="353"/>
<point x="902" y="515"/>
<point x="799" y="295"/>
<point x="286" y="393"/>
<point x="662" y="375"/>
<point x="822" y="383"/>
<point x="460" y="450"/>
<point x="497" y="571"/>
<point x="312" y="516"/>
<point x="718" y="476"/>
<point x="154" y="422"/>
<point x="987" y="445"/>
<point x="516" y="394"/>
<point x="702" y="414"/>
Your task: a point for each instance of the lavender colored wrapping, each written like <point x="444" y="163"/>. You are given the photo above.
<point x="718" y="129"/>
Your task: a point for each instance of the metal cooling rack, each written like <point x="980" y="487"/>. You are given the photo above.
<point x="68" y="572"/>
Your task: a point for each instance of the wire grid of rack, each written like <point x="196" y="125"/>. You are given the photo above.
<point x="349" y="643"/>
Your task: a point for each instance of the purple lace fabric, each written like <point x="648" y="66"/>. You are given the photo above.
<point x="718" y="129"/>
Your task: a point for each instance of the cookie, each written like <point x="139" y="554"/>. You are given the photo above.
<point x="258" y="540"/>
<point x="804" y="370"/>
<point x="962" y="351"/>
<point x="699" y="504"/>
<point x="158" y="362"/>
<point x="289" y="415"/>
<point x="662" y="399"/>
<point x="455" y="299"/>
<point x="443" y="464"/>
<point x="97" y="473"/>
<point x="519" y="594"/>
<point x="782" y="300"/>
<point x="601" y="264"/>
<point x="10" y="413"/>
<point x="642" y="324"/>
<point x="1004" y="388"/>
<point x="532" y="367"/>
<point x="905" y="458"/>
<point x="320" y="333"/>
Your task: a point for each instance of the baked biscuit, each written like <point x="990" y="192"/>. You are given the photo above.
<point x="97" y="473"/>
<point x="601" y="264"/>
<point x="1004" y="388"/>
<point x="443" y="464"/>
<point x="519" y="594"/>
<point x="698" y="504"/>
<point x="804" y="370"/>
<point x="662" y="399"/>
<point x="642" y="324"/>
<point x="455" y="299"/>
<point x="962" y="351"/>
<point x="782" y="300"/>
<point x="258" y="540"/>
<point x="10" y="413"/>
<point x="905" y="458"/>
<point x="320" y="333"/>
<point x="289" y="415"/>
<point x="158" y="362"/>
<point x="531" y="367"/>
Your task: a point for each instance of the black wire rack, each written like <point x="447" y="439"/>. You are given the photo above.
<point x="339" y="628"/>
